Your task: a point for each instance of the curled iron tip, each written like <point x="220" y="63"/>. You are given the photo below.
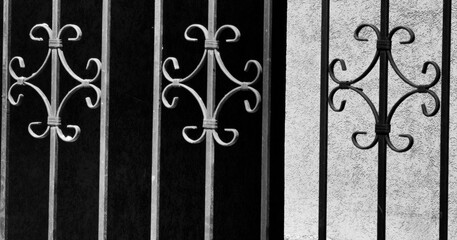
<point x="358" y="145"/>
<point x="400" y="150"/>
<point x="77" y="132"/>
<point x="38" y="26"/>
<point x="412" y="36"/>
<point x="235" y="30"/>
<point x="190" y="28"/>
<point x="191" y="140"/>
<point x="362" y="26"/>
<point x="233" y="140"/>
<point x="36" y="135"/>
<point x="77" y="29"/>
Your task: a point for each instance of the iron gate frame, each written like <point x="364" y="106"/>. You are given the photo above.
<point x="382" y="115"/>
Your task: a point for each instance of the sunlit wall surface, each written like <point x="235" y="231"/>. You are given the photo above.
<point x="412" y="176"/>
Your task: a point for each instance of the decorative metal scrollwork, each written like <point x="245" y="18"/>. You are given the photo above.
<point x="55" y="44"/>
<point x="383" y="130"/>
<point x="210" y="117"/>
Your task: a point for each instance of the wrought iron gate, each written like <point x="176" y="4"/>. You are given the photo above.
<point x="254" y="90"/>
<point x="212" y="37"/>
<point x="382" y="115"/>
<point x="56" y="35"/>
<point x="258" y="66"/>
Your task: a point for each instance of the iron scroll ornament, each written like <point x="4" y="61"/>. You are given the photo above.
<point x="383" y="130"/>
<point x="210" y="120"/>
<point x="54" y="117"/>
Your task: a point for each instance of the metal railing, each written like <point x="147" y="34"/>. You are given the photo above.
<point x="381" y="114"/>
<point x="54" y="106"/>
<point x="210" y="109"/>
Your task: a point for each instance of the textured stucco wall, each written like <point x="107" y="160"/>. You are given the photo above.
<point x="413" y="176"/>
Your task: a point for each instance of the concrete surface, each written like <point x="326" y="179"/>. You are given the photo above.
<point x="413" y="176"/>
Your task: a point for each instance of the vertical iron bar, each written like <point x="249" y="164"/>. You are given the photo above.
<point x="54" y="140"/>
<point x="156" y="120"/>
<point x="323" y="140"/>
<point x="382" y="146"/>
<point x="210" y="102"/>
<point x="104" y="123"/>
<point x="5" y="122"/>
<point x="266" y="120"/>
<point x="445" y="92"/>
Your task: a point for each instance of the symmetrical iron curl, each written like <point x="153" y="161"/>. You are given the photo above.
<point x="55" y="44"/>
<point x="210" y="119"/>
<point x="382" y="130"/>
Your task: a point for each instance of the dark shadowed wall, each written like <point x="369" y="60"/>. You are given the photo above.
<point x="238" y="168"/>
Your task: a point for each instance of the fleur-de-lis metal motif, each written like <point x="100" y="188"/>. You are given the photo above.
<point x="55" y="44"/>
<point x="210" y="117"/>
<point x="383" y="130"/>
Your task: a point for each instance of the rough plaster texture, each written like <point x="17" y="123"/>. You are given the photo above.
<point x="413" y="176"/>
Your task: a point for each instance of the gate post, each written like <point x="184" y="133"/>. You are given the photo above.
<point x="5" y="138"/>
